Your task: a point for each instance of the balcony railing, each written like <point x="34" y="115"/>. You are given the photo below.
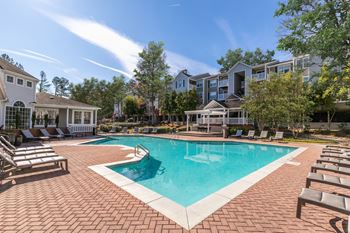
<point x="222" y="96"/>
<point x="228" y="121"/>
<point x="223" y="83"/>
<point x="259" y="76"/>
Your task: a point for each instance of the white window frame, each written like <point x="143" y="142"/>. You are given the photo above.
<point x="18" y="83"/>
<point x="29" y="82"/>
<point x="82" y="117"/>
<point x="13" y="79"/>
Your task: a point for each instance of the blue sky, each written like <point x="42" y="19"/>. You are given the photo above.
<point x="82" y="39"/>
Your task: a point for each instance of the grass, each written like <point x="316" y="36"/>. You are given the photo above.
<point x="309" y="140"/>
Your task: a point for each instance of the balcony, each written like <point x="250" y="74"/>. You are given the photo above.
<point x="223" y="83"/>
<point x="259" y="76"/>
<point x="222" y="96"/>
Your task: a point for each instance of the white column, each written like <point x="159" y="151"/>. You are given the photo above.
<point x="197" y="119"/>
<point x="223" y="120"/>
<point x="95" y="117"/>
<point x="208" y="130"/>
<point x="243" y="115"/>
<point x="67" y="117"/>
<point x="187" y="122"/>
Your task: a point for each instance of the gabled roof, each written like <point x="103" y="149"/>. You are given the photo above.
<point x="214" y="104"/>
<point x="46" y="100"/>
<point x="239" y="63"/>
<point x="9" y="67"/>
<point x="199" y="76"/>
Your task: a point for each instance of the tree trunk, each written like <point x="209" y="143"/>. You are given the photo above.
<point x="330" y="118"/>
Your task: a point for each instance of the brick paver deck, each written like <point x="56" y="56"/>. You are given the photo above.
<point x="83" y="201"/>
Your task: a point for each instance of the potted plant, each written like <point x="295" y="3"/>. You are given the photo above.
<point x="19" y="139"/>
<point x="33" y="119"/>
<point x="57" y="120"/>
<point x="46" y="120"/>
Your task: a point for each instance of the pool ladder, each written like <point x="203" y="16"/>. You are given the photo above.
<point x="139" y="147"/>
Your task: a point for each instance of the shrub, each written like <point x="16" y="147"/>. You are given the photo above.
<point x="105" y="128"/>
<point x="164" y="130"/>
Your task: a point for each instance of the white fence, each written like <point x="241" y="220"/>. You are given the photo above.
<point x="82" y="128"/>
<point x="228" y="121"/>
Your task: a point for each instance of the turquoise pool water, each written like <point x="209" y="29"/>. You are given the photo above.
<point x="187" y="171"/>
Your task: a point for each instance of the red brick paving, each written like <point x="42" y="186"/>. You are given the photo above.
<point x="83" y="201"/>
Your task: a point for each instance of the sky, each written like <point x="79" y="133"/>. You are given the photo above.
<point x="90" y="38"/>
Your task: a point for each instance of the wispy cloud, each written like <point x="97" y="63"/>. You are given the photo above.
<point x="108" y="67"/>
<point x="73" y="73"/>
<point x="174" y="5"/>
<point x="227" y="30"/>
<point x="39" y="58"/>
<point x="43" y="55"/>
<point x="123" y="48"/>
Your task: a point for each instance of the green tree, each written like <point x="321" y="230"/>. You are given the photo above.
<point x="150" y="73"/>
<point x="10" y="60"/>
<point x="130" y="106"/>
<point x="62" y="86"/>
<point x="249" y="57"/>
<point x="318" y="27"/>
<point x="44" y="84"/>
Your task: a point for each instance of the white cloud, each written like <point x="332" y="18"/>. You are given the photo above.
<point x="123" y="48"/>
<point x="108" y="67"/>
<point x="39" y="58"/>
<point x="43" y="55"/>
<point x="226" y="28"/>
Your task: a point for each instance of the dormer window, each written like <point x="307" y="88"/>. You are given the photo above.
<point x="29" y="84"/>
<point x="20" y="81"/>
<point x="10" y="79"/>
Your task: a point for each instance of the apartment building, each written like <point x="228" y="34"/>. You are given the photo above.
<point x="224" y="90"/>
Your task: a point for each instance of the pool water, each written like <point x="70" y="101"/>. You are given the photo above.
<point x="187" y="171"/>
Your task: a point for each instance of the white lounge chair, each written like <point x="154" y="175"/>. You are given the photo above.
<point x="136" y="130"/>
<point x="29" y="136"/>
<point x="29" y="148"/>
<point x="250" y="134"/>
<point x="60" y="132"/>
<point x="154" y="130"/>
<point x="47" y="134"/>
<point x="263" y="135"/>
<point x="125" y="130"/>
<point x="278" y="136"/>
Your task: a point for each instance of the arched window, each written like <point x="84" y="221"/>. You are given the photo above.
<point x="19" y="104"/>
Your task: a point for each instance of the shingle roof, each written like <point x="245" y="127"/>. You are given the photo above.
<point x="8" y="66"/>
<point x="48" y="99"/>
<point x="199" y="76"/>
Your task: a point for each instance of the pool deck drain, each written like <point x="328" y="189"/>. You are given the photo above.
<point x="190" y="216"/>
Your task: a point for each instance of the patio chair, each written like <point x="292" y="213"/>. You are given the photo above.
<point x="29" y="136"/>
<point x="330" y="168"/>
<point x="154" y="130"/>
<point x="29" y="163"/>
<point x="327" y="179"/>
<point x="238" y="134"/>
<point x="70" y="131"/>
<point x="263" y="135"/>
<point x="278" y="136"/>
<point x="113" y="130"/>
<point x="336" y="156"/>
<point x="29" y="148"/>
<point x="6" y="145"/>
<point x="145" y="130"/>
<point x="339" y="162"/>
<point x="338" y="147"/>
<point x="47" y="134"/>
<point x="325" y="200"/>
<point x="125" y="130"/>
<point x="135" y="130"/>
<point x="60" y="132"/>
<point x="250" y="134"/>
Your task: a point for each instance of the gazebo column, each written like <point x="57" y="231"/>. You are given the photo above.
<point x="208" y="129"/>
<point x="224" y="119"/>
<point x="187" y="122"/>
<point x="243" y="115"/>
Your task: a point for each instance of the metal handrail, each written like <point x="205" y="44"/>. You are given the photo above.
<point x="142" y="147"/>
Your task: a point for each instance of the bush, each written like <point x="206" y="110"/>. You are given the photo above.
<point x="105" y="128"/>
<point x="245" y="128"/>
<point x="164" y="130"/>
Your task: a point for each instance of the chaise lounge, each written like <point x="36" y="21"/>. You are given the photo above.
<point x="47" y="134"/>
<point x="263" y="135"/>
<point x="30" y="148"/>
<point x="29" y="136"/>
<point x="60" y="132"/>
<point x="250" y="134"/>
<point x="327" y="179"/>
<point x="238" y="134"/>
<point x="278" y="136"/>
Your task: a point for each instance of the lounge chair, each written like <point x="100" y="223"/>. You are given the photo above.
<point x="250" y="134"/>
<point x="30" y="148"/>
<point x="125" y="130"/>
<point x="336" y="156"/>
<point x="60" y="132"/>
<point x="154" y="130"/>
<point x="263" y="135"/>
<point x="29" y="163"/>
<point x="339" y="162"/>
<point x="113" y="130"/>
<point x="326" y="200"/>
<point x="238" y="134"/>
<point x="15" y="152"/>
<point x="330" y="168"/>
<point x="340" y="147"/>
<point x="327" y="179"/>
<point x="136" y="130"/>
<point x="145" y="130"/>
<point x="47" y="134"/>
<point x="29" y="136"/>
<point x="278" y="136"/>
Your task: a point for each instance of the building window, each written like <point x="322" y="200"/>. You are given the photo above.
<point x="212" y="95"/>
<point x="40" y="116"/>
<point x="10" y="79"/>
<point x="20" y="81"/>
<point x="29" y="84"/>
<point x="183" y="83"/>
<point x="283" y="69"/>
<point x="17" y="116"/>
<point x="213" y="83"/>
<point x="176" y="84"/>
<point x="199" y="85"/>
<point x="77" y="117"/>
<point x="87" y="118"/>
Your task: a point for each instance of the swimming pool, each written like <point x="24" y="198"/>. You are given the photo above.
<point x="188" y="171"/>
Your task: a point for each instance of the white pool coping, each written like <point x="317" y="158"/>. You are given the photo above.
<point x="189" y="216"/>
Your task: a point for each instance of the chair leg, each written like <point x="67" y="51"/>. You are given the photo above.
<point x="299" y="205"/>
<point x="66" y="164"/>
<point x="348" y="223"/>
<point x="308" y="183"/>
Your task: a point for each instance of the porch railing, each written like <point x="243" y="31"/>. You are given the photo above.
<point x="228" y="121"/>
<point x="259" y="76"/>
<point x="82" y="128"/>
<point x="223" y="83"/>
